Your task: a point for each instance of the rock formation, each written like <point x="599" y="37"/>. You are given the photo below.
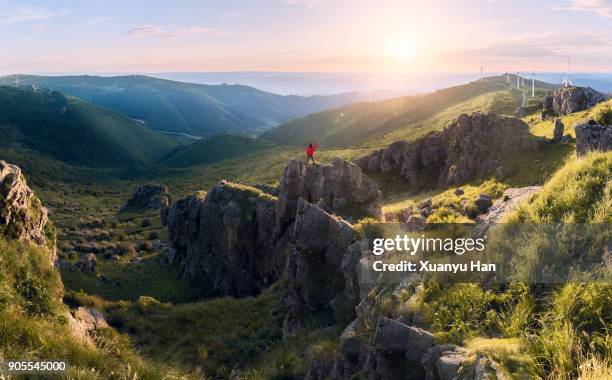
<point x="22" y="215"/>
<point x="340" y="188"/>
<point x="507" y="203"/>
<point x="591" y="136"/>
<point x="558" y="130"/>
<point x="316" y="263"/>
<point x="469" y="148"/>
<point x="224" y="240"/>
<point x="573" y="99"/>
<point x="149" y="196"/>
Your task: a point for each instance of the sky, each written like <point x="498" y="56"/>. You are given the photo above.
<point x="382" y="36"/>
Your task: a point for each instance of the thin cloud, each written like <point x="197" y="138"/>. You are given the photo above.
<point x="12" y="15"/>
<point x="601" y="7"/>
<point x="312" y="4"/>
<point x="159" y="31"/>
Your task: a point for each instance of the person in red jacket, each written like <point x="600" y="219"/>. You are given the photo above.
<point x="310" y="153"/>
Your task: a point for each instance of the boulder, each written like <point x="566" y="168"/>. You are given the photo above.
<point x="400" y="349"/>
<point x="340" y="188"/>
<point x="459" y="191"/>
<point x="89" y="319"/>
<point x="469" y="148"/>
<point x="443" y="362"/>
<point x="591" y="136"/>
<point x="573" y="99"/>
<point x="224" y="241"/>
<point x="22" y="215"/>
<point x="558" y="131"/>
<point x="148" y="196"/>
<point x="483" y="203"/>
<point x="87" y="263"/>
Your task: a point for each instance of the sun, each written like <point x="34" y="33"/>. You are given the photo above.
<point x="400" y="49"/>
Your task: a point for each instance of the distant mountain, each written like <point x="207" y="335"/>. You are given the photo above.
<point x="197" y="109"/>
<point x="216" y="149"/>
<point x="355" y="123"/>
<point x="75" y="131"/>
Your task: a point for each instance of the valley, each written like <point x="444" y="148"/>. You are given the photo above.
<point x="84" y="162"/>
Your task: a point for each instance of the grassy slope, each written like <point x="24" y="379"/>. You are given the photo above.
<point x="216" y="149"/>
<point x="187" y="107"/>
<point x="74" y="131"/>
<point x="359" y="122"/>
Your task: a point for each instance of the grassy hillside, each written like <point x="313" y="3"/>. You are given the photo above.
<point x="216" y="149"/>
<point x="74" y="131"/>
<point x="197" y="109"/>
<point x="355" y="123"/>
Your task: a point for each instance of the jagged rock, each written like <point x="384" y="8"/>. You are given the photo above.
<point x="591" y="136"/>
<point x="314" y="267"/>
<point x="400" y="349"/>
<point x="22" y="215"/>
<point x="224" y="241"/>
<point x="87" y="263"/>
<point x="573" y="99"/>
<point x="90" y="319"/>
<point x="558" y="131"/>
<point x="340" y="188"/>
<point x="149" y="196"/>
<point x="443" y="362"/>
<point x="483" y="203"/>
<point x="470" y="148"/>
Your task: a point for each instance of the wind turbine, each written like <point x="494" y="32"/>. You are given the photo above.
<point x="566" y="82"/>
<point x="518" y="80"/>
<point x="533" y="85"/>
<point x="481" y="74"/>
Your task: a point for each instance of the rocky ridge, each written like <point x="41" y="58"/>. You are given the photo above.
<point x="22" y="215"/>
<point x="469" y="148"/>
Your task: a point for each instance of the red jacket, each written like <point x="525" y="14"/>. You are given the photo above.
<point x="311" y="149"/>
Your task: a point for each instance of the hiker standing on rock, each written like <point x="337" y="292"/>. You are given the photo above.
<point x="310" y="153"/>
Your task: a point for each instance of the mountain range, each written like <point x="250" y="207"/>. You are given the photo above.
<point x="171" y="106"/>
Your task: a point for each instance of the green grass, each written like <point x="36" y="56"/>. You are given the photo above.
<point x="33" y="323"/>
<point x="207" y="338"/>
<point x="216" y="149"/>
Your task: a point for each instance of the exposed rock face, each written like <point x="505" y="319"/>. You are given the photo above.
<point x="22" y="215"/>
<point x="224" y="241"/>
<point x="511" y="199"/>
<point x="340" y="188"/>
<point x="149" y="196"/>
<point x="593" y="137"/>
<point x="469" y="148"/>
<point x="573" y="99"/>
<point x="443" y="362"/>
<point x="315" y="265"/>
<point x="558" y="131"/>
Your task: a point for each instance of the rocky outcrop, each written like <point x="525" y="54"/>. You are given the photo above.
<point x="511" y="199"/>
<point x="443" y="362"/>
<point x="558" y="130"/>
<point x="316" y="263"/>
<point x="573" y="99"/>
<point x="340" y="188"/>
<point x="591" y="136"/>
<point x="148" y="196"/>
<point x="469" y="148"/>
<point x="87" y="263"/>
<point x="22" y="215"/>
<point x="224" y="241"/>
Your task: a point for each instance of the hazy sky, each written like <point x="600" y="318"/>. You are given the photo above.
<point x="304" y="35"/>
